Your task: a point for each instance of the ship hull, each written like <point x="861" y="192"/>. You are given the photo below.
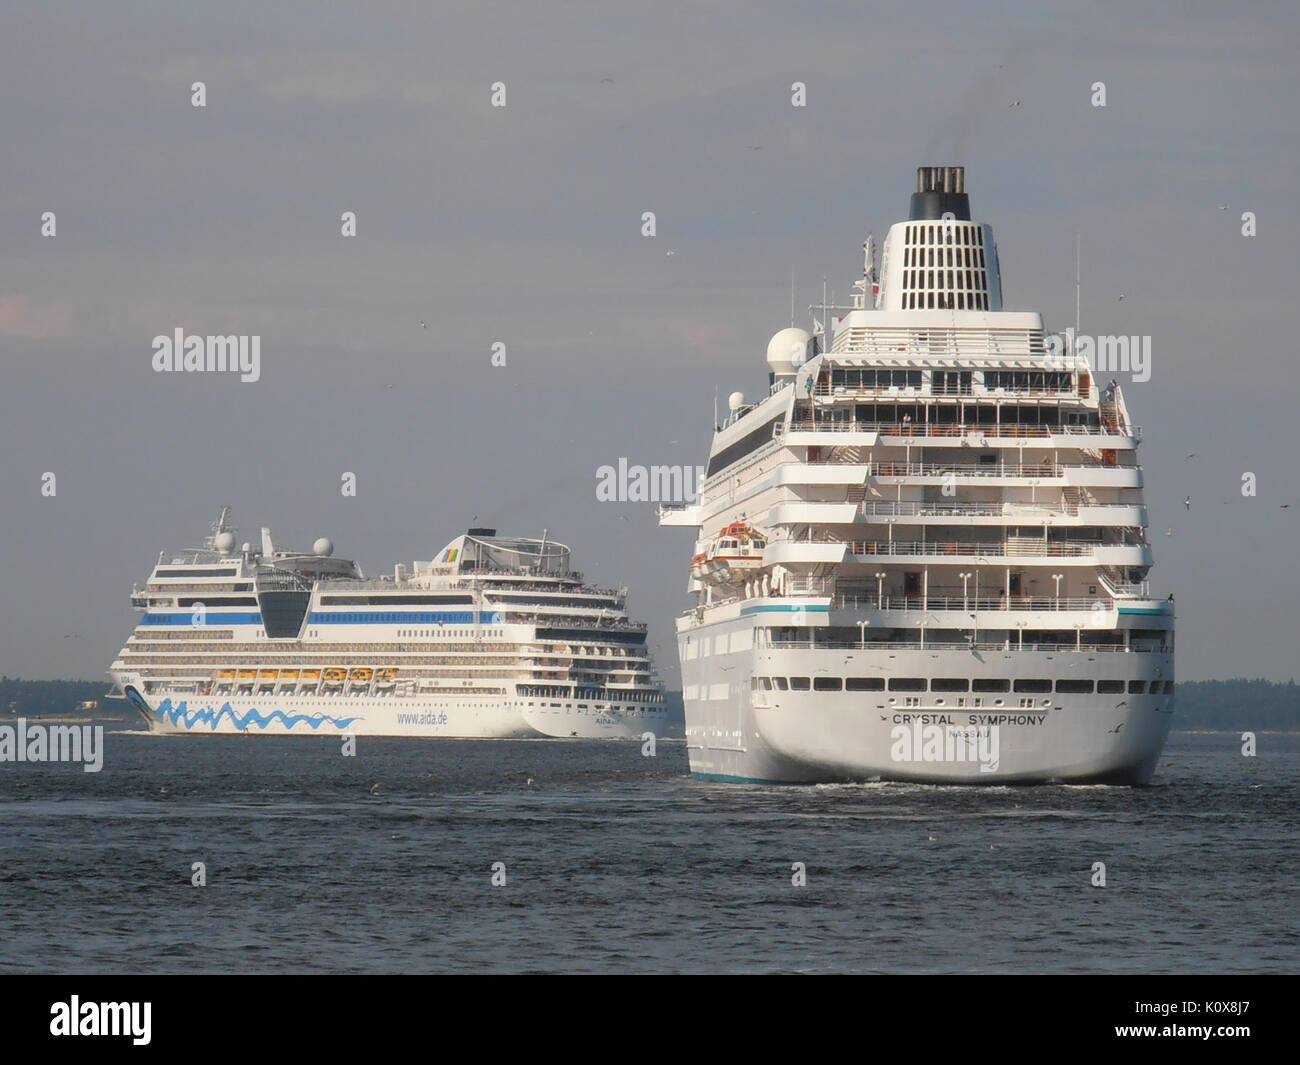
<point x="418" y="716"/>
<point x="737" y="731"/>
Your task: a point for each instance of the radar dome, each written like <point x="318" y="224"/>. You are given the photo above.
<point x="735" y="401"/>
<point x="323" y="547"/>
<point x="788" y="350"/>
<point x="225" y="542"/>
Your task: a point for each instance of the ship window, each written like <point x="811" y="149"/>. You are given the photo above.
<point x="1169" y="687"/>
<point x="767" y="683"/>
<point x="864" y="684"/>
<point x="827" y="684"/>
<point x="949" y="684"/>
<point x="799" y="684"/>
<point x="1074" y="687"/>
<point x="907" y="684"/>
<point x="983" y="684"/>
<point x="781" y="684"/>
<point x="1033" y="685"/>
<point x="1109" y="687"/>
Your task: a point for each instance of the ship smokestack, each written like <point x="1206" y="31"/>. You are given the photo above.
<point x="940" y="190"/>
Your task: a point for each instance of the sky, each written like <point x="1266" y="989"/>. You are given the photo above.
<point x="522" y="225"/>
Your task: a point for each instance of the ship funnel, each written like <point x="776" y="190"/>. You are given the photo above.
<point x="940" y="190"/>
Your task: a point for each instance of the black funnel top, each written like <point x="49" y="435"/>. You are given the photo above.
<point x="940" y="190"/>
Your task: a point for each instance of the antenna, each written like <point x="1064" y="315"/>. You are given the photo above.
<point x="1078" y="286"/>
<point x="792" y="295"/>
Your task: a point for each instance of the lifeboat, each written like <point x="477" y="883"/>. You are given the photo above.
<point x="737" y="549"/>
<point x="361" y="673"/>
<point x="288" y="674"/>
<point x="335" y="675"/>
<point x="268" y="674"/>
<point x="248" y="674"/>
<point x="226" y="674"/>
<point x="384" y="678"/>
<point x="310" y="675"/>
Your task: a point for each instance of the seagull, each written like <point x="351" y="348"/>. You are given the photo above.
<point x="607" y="81"/>
<point x="1116" y="728"/>
<point x="1121" y="297"/>
<point x="1016" y="104"/>
<point x="1190" y="455"/>
<point x="1284" y="505"/>
<point x="374" y="788"/>
<point x="423" y="324"/>
<point x="755" y="147"/>
<point x="1122" y="702"/>
<point x="1188" y="502"/>
<point x="933" y="839"/>
<point x="1223" y="207"/>
<point x="670" y="251"/>
<point x="1169" y="531"/>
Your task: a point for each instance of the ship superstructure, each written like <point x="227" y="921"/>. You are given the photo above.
<point x="952" y="577"/>
<point x="494" y="637"/>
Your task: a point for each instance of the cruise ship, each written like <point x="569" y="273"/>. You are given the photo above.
<point x="495" y="637"/>
<point x="921" y="556"/>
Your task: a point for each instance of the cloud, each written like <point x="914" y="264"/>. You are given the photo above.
<point x="20" y="317"/>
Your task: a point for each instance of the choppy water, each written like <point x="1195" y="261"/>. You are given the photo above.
<point x="615" y="862"/>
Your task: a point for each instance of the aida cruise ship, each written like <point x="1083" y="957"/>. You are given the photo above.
<point x="922" y="555"/>
<point x="496" y="638"/>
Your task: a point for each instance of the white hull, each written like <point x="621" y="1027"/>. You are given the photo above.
<point x="313" y="715"/>
<point x="735" y="733"/>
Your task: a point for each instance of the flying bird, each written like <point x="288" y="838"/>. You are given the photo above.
<point x="670" y="251"/>
<point x="1169" y="531"/>
<point x="1116" y="728"/>
<point x="1188" y="502"/>
<point x="1223" y="207"/>
<point x="1122" y="702"/>
<point x="1190" y="455"/>
<point x="1016" y="104"/>
<point x="1121" y="297"/>
<point x="423" y="324"/>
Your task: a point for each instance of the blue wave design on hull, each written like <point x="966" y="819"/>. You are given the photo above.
<point x="181" y="715"/>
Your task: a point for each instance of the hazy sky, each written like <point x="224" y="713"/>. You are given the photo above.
<point x="522" y="225"/>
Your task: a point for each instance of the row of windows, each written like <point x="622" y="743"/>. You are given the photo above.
<point x="959" y="301"/>
<point x="1028" y="380"/>
<point x="958" y="684"/>
<point x="964" y="280"/>
<point x="964" y="255"/>
<point x="945" y="233"/>
<point x="876" y="378"/>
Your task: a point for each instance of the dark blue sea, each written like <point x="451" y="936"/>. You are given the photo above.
<point x="615" y="862"/>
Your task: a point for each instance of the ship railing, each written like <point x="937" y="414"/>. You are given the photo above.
<point x="809" y="586"/>
<point x="970" y="604"/>
<point x="922" y="429"/>
<point x="964" y="510"/>
<point x="1035" y="549"/>
<point x="1011" y="644"/>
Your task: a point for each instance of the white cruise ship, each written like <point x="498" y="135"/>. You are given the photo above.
<point x="922" y="555"/>
<point x="495" y="637"/>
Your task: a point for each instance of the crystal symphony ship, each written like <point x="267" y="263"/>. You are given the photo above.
<point x="922" y="555"/>
<point x="495" y="637"/>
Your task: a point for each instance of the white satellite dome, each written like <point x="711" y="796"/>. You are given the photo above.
<point x="323" y="547"/>
<point x="225" y="542"/>
<point x="735" y="401"/>
<point x="788" y="350"/>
